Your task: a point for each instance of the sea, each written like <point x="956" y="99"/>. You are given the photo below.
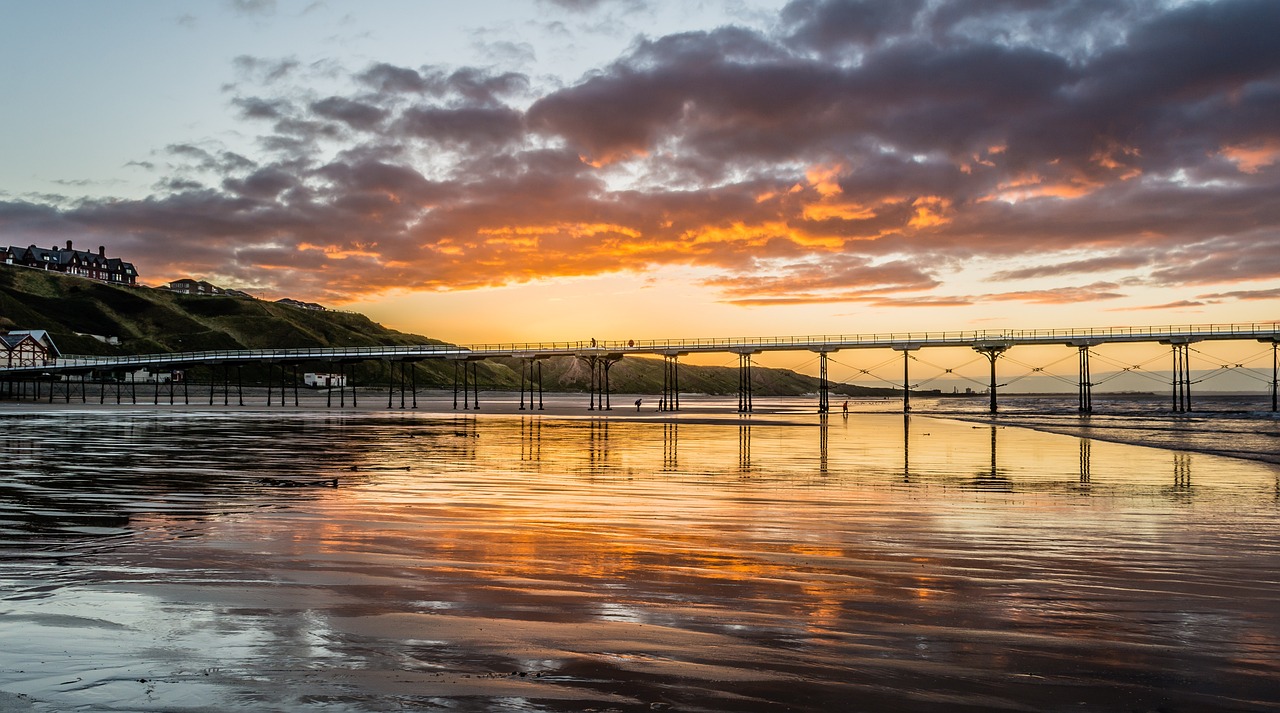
<point x="184" y="558"/>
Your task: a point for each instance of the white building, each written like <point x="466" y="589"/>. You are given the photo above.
<point x="313" y="380"/>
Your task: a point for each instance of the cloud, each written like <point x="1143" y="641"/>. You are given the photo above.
<point x="1179" y="304"/>
<point x="1061" y="295"/>
<point x="1077" y="267"/>
<point x="836" y="24"/>
<point x="854" y="152"/>
<point x="462" y="126"/>
<point x="357" y="115"/>
<point x="1268" y="294"/>
<point x="253" y="7"/>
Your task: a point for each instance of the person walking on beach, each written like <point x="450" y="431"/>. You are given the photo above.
<point x="846" y="407"/>
<point x="638" y="404"/>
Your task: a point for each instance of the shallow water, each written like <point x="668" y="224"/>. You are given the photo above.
<point x="203" y="561"/>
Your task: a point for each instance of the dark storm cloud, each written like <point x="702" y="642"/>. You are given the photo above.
<point x="835" y="24"/>
<point x="355" y="114"/>
<point x="468" y="84"/>
<point x="259" y="108"/>
<point x="467" y="126"/>
<point x="858" y="151"/>
<point x="203" y="159"/>
<point x="387" y="78"/>
<point x="264" y="184"/>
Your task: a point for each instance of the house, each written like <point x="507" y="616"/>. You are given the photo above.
<point x="28" y="347"/>
<point x="300" y="304"/>
<point x="324" y="381"/>
<point x="188" y="286"/>
<point x="95" y="266"/>
<point x="147" y="376"/>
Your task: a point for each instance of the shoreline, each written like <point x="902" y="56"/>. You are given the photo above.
<point x="1197" y="432"/>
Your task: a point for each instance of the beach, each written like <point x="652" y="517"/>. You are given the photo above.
<point x="200" y="559"/>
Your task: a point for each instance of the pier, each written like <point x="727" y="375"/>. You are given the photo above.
<point x="74" y="372"/>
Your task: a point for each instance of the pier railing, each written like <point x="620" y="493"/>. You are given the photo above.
<point x="1088" y="336"/>
<point x="831" y="342"/>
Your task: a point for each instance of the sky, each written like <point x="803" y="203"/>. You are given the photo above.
<point x="501" y="171"/>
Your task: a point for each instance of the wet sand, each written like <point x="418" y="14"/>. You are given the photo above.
<point x="562" y="562"/>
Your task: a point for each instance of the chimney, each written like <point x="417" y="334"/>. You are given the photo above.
<point x="68" y="244"/>
<point x="102" y="251"/>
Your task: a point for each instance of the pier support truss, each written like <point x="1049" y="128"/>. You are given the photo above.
<point x="530" y="376"/>
<point x="344" y="380"/>
<point x="470" y="383"/>
<point x="824" y="385"/>
<point x="745" y="389"/>
<point x="1085" y="381"/>
<point x="398" y="378"/>
<point x="226" y="384"/>
<point x="599" y="387"/>
<point x="670" y="400"/>
<point x="992" y="352"/>
<point x="285" y="383"/>
<point x="71" y="383"/>
<point x="906" y="350"/>
<point x="1181" y="376"/>
<point x="1275" y="372"/>
<point x="171" y="384"/>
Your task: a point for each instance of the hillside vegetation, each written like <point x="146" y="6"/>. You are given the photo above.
<point x="148" y="321"/>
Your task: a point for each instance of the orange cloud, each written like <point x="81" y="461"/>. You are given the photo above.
<point x="1252" y="157"/>
<point x="758" y="235"/>
<point x="1032" y="185"/>
<point x="841" y="211"/>
<point x="823" y="179"/>
<point x="338" y="252"/>
<point x="930" y="212"/>
<point x="1117" y="157"/>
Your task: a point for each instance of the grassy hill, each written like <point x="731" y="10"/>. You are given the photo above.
<point x="148" y="321"/>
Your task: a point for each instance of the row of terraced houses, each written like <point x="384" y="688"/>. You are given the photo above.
<point x="82" y="263"/>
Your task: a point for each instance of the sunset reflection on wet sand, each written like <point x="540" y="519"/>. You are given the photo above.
<point x="544" y="563"/>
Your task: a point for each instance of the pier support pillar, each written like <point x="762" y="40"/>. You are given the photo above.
<point x="745" y="387"/>
<point x="524" y="366"/>
<point x="470" y="383"/>
<point x="538" y="376"/>
<point x="1181" y="376"/>
<point x="530" y="378"/>
<point x="824" y="385"/>
<point x="475" y="385"/>
<point x="342" y="385"/>
<point x="607" y="365"/>
<point x="906" y="381"/>
<point x="906" y="350"/>
<point x="992" y="352"/>
<point x="670" y="400"/>
<point x="1086" y="380"/>
<point x="1275" y="372"/>
<point x="397" y="378"/>
<point x="601" y="392"/>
